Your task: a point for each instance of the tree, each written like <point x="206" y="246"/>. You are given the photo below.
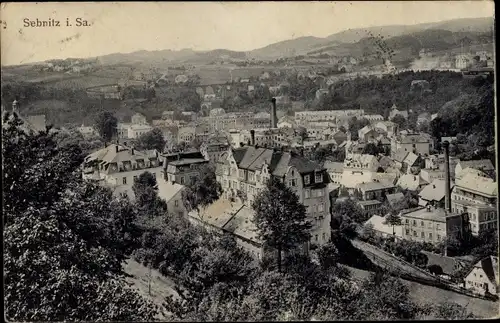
<point x="371" y="149"/>
<point x="203" y="191"/>
<point x="280" y="218"/>
<point x="151" y="140"/>
<point x="145" y="190"/>
<point x="400" y="121"/>
<point x="328" y="256"/>
<point x="106" y="125"/>
<point x="64" y="245"/>
<point x="450" y="311"/>
<point x="392" y="219"/>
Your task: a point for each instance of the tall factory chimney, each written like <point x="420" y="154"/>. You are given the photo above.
<point x="447" y="197"/>
<point x="274" y="118"/>
<point x="252" y="136"/>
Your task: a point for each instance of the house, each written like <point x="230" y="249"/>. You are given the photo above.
<point x="483" y="165"/>
<point x="429" y="175"/>
<point x="373" y="118"/>
<point x="395" y="112"/>
<point x="243" y="173"/>
<point x="412" y="142"/>
<point x="335" y="170"/>
<point x="433" y="193"/>
<point x="383" y="229"/>
<point x="214" y="148"/>
<point x="138" y="119"/>
<point x="411" y="182"/>
<point x="183" y="167"/>
<point x="117" y="166"/>
<point x="429" y="224"/>
<point x="286" y="122"/>
<point x="358" y="169"/>
<point x="370" y="207"/>
<point x="388" y="127"/>
<point x="444" y="266"/>
<point x="470" y="170"/>
<point x="412" y="163"/>
<point x="477" y="196"/>
<point x="137" y="130"/>
<point x="483" y="278"/>
<point x="375" y="190"/>
<point x="367" y="134"/>
<point x="462" y="61"/>
<point x="171" y="193"/>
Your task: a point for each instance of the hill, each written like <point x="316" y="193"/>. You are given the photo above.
<point x="290" y="47"/>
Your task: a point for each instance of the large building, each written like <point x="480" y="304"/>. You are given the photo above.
<point x="243" y="173"/>
<point x="415" y="142"/>
<point x="117" y="166"/>
<point x="326" y="115"/>
<point x="477" y="196"/>
<point x="182" y="168"/>
<point x="431" y="224"/>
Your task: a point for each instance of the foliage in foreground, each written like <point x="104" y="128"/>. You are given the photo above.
<point x="64" y="239"/>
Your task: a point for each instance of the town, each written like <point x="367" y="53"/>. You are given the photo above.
<point x="315" y="187"/>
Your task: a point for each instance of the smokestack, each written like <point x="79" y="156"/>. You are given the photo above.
<point x="252" y="137"/>
<point x="274" y="118"/>
<point x="447" y="197"/>
<point x="15" y="106"/>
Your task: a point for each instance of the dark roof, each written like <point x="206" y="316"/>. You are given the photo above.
<point x="490" y="267"/>
<point x="449" y="265"/>
<point x="254" y="158"/>
<point x="400" y="155"/>
<point x="239" y="153"/>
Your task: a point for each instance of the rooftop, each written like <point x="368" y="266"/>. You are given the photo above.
<point x="378" y="225"/>
<point x="373" y="186"/>
<point x="187" y="161"/>
<point x="428" y="213"/>
<point x="167" y="190"/>
<point x="478" y="184"/>
<point x="435" y="191"/>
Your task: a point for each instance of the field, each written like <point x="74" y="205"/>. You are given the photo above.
<point x="82" y="82"/>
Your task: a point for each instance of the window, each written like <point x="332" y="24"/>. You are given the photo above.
<point x="182" y="179"/>
<point x="321" y="207"/>
<point x="135" y="178"/>
<point x="318" y="178"/>
<point x="415" y="222"/>
<point x="319" y="193"/>
<point x="308" y="193"/>
<point x="292" y="183"/>
<point x="439" y="237"/>
<point x="124" y="181"/>
<point x="422" y="234"/>
<point x="407" y="231"/>
<point x="307" y="179"/>
<point x="154" y="175"/>
<point x="421" y="223"/>
<point x="437" y="226"/>
<point x="324" y="236"/>
<point x="316" y="237"/>
<point x="176" y="203"/>
<point x="429" y="225"/>
<point x="407" y="221"/>
<point x="414" y="233"/>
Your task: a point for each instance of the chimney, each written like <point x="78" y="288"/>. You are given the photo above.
<point x="447" y="196"/>
<point x="132" y="150"/>
<point x="274" y="118"/>
<point x="252" y="137"/>
<point x="428" y="208"/>
<point x="116" y="148"/>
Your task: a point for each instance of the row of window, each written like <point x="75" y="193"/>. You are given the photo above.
<point x="422" y="234"/>
<point x="315" y="193"/>
<point x="422" y="224"/>
<point x="124" y="179"/>
<point x="317" y="208"/>
<point x="316" y="237"/>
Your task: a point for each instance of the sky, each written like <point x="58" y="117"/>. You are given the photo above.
<point x="242" y="26"/>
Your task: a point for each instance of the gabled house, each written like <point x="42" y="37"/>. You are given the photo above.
<point x="484" y="165"/>
<point x="483" y="278"/>
<point x="433" y="193"/>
